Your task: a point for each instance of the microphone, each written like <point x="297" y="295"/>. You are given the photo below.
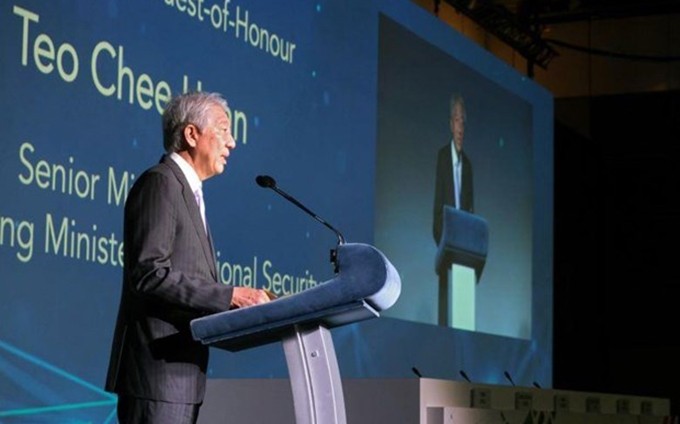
<point x="465" y="376"/>
<point x="416" y="371"/>
<point x="507" y="375"/>
<point x="265" y="181"/>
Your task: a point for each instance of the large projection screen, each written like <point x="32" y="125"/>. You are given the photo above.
<point x="343" y="103"/>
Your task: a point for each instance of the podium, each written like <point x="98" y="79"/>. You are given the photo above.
<point x="460" y="260"/>
<point x="366" y="284"/>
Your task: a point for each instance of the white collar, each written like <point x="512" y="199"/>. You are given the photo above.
<point x="189" y="172"/>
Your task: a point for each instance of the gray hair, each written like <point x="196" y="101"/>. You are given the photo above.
<point x="185" y="109"/>
<point x="457" y="99"/>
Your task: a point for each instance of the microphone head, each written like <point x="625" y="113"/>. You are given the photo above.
<point x="265" y="181"/>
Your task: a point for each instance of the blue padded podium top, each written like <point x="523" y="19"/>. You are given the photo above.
<point x="464" y="241"/>
<point x="366" y="283"/>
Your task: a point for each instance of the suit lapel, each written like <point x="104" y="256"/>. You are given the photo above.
<point x="212" y="249"/>
<point x="194" y="214"/>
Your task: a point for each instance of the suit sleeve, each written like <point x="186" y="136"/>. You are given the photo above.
<point x="438" y="199"/>
<point x="468" y="186"/>
<point x="164" y="260"/>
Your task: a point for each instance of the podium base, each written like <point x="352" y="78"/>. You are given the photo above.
<point x="457" y="298"/>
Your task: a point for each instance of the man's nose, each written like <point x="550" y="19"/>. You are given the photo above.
<point x="231" y="143"/>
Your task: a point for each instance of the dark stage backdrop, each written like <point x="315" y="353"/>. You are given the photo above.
<point x="343" y="103"/>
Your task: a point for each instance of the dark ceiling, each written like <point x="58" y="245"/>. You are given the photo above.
<point x="557" y="11"/>
<point x="521" y="23"/>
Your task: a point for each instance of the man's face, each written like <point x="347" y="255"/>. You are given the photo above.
<point x="213" y="144"/>
<point x="457" y="124"/>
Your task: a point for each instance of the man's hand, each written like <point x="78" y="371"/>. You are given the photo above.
<point x="245" y="296"/>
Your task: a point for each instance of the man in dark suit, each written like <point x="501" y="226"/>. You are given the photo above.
<point x="169" y="273"/>
<point x="453" y="185"/>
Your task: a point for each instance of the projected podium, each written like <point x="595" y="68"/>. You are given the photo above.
<point x="366" y="283"/>
<point x="461" y="256"/>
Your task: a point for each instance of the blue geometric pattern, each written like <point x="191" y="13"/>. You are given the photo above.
<point x="36" y="391"/>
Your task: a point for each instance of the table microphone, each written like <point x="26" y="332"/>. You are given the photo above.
<point x="509" y="378"/>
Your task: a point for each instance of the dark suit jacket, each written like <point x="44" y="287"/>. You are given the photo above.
<point x="444" y="190"/>
<point x="169" y="278"/>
